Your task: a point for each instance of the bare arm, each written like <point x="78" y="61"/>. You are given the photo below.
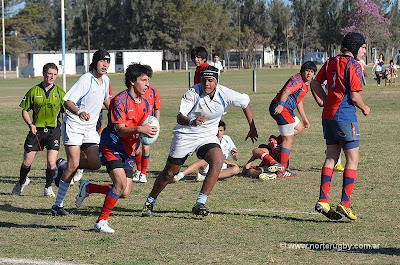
<point x="70" y="105"/>
<point x="157" y="114"/>
<point x="318" y="93"/>
<point x="284" y="96"/>
<point x="300" y="109"/>
<point x="359" y="103"/>
<point x="27" y="120"/>
<point x="124" y="131"/>
<point x="183" y="120"/>
<point x="252" y="134"/>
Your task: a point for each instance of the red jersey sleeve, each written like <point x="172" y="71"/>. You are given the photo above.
<point x="321" y="76"/>
<point x="118" y="111"/>
<point x="355" y="77"/>
<point x="294" y="83"/>
<point x="157" y="102"/>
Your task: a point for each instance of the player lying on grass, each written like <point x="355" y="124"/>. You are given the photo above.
<point x="228" y="169"/>
<point x="268" y="167"/>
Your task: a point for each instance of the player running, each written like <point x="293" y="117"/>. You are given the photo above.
<point x="83" y="103"/>
<point x="200" y="111"/>
<point x="118" y="143"/>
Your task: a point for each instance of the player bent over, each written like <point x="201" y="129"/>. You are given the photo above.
<point x="46" y="101"/>
<point x="339" y="120"/>
<point x="281" y="109"/>
<point x="228" y="169"/>
<point x="118" y="142"/>
<point x="83" y="103"/>
<point x="200" y="111"/>
<point x="268" y="167"/>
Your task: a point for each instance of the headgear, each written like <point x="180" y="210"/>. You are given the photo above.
<point x="97" y="56"/>
<point x="352" y="41"/>
<point x="209" y="71"/>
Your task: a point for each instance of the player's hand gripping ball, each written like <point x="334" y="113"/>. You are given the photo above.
<point x="146" y="140"/>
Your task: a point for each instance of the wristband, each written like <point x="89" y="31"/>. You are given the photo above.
<point x="281" y="102"/>
<point x="192" y="122"/>
<point x="78" y="112"/>
<point x="30" y="125"/>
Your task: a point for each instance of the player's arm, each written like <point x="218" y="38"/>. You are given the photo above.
<point x="300" y="109"/>
<point x="157" y="114"/>
<point x="234" y="153"/>
<point x="284" y="96"/>
<point x="248" y="165"/>
<point x="71" y="106"/>
<point x="358" y="102"/>
<point x="318" y="93"/>
<point x="184" y="120"/>
<point x="27" y="120"/>
<point x="124" y="131"/>
<point x="252" y="134"/>
<point x="106" y="104"/>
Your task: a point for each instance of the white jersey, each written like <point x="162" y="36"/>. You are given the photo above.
<point x="195" y="103"/>
<point x="227" y="145"/>
<point x="88" y="95"/>
<point x="217" y="65"/>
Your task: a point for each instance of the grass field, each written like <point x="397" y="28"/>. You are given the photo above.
<point x="253" y="222"/>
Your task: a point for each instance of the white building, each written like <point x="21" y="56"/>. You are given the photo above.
<point x="76" y="62"/>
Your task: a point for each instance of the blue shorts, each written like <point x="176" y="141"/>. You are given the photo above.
<point x="285" y="117"/>
<point x="107" y="154"/>
<point x="341" y="132"/>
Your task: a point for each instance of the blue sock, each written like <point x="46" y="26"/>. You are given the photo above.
<point x="62" y="190"/>
<point x="202" y="198"/>
<point x="151" y="199"/>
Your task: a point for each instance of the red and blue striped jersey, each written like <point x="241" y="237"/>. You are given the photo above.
<point x="298" y="90"/>
<point x="343" y="75"/>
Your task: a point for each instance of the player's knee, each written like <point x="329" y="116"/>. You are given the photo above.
<point x="235" y="170"/>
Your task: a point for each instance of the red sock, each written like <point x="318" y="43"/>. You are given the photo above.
<point x="145" y="163"/>
<point x="138" y="161"/>
<point x="326" y="177"/>
<point x="279" y="139"/>
<point x="349" y="176"/>
<point x="109" y="203"/>
<point x="97" y="188"/>
<point x="266" y="159"/>
<point x="285" y="154"/>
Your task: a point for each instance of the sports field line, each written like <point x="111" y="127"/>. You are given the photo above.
<point x="272" y="211"/>
<point x="32" y="261"/>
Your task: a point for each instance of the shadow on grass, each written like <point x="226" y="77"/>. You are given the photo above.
<point x="12" y="225"/>
<point x="90" y="211"/>
<point x="348" y="248"/>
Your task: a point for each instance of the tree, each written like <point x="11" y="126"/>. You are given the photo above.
<point x="21" y="27"/>
<point x="367" y="20"/>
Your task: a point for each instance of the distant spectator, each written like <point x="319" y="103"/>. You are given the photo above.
<point x="379" y="69"/>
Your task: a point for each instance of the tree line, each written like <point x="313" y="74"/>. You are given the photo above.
<point x="177" y="26"/>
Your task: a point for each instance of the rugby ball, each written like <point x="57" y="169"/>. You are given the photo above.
<point x="146" y="140"/>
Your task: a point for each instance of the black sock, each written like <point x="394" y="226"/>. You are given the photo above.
<point x="50" y="174"/>
<point x="23" y="172"/>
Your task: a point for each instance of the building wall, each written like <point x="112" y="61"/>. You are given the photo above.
<point x="152" y="58"/>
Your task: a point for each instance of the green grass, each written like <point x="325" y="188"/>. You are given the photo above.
<point x="252" y="220"/>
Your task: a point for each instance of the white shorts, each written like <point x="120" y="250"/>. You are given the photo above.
<point x="205" y="171"/>
<point x="288" y="129"/>
<point x="187" y="144"/>
<point x="78" y="136"/>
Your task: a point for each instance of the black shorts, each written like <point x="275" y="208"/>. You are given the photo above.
<point x="49" y="138"/>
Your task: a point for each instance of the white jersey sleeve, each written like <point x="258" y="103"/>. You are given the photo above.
<point x="189" y="100"/>
<point x="231" y="97"/>
<point x="227" y="145"/>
